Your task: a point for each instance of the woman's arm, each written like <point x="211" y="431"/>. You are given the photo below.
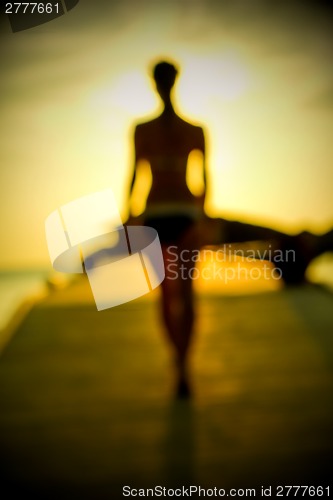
<point x="134" y="165"/>
<point x="136" y="175"/>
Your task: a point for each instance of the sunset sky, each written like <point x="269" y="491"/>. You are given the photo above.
<point x="258" y="75"/>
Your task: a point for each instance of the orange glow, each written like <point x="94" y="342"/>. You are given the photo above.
<point x="236" y="276"/>
<point x="70" y="109"/>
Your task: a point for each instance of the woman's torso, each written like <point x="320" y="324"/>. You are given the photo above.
<point x="166" y="144"/>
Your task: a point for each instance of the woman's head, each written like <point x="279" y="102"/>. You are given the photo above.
<point x="164" y="74"/>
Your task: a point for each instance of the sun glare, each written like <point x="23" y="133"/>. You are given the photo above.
<point x="130" y="92"/>
<point x="225" y="77"/>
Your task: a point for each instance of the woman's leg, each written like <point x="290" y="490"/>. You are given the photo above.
<point x="178" y="309"/>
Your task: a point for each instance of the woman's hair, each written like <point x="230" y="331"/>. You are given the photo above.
<point x="164" y="74"/>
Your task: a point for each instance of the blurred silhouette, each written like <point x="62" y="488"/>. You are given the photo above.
<point x="172" y="209"/>
<point x="179" y="218"/>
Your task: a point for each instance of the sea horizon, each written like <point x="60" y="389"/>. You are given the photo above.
<point x="20" y="283"/>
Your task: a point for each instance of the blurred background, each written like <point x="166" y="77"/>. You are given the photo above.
<point x="258" y="76"/>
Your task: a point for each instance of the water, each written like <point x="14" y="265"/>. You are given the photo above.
<point x="15" y="286"/>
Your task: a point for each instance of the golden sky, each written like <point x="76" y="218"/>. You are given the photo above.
<point x="257" y="75"/>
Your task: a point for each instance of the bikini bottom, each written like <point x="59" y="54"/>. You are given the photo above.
<point x="170" y="228"/>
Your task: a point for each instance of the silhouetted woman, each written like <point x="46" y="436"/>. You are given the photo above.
<point x="166" y="142"/>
